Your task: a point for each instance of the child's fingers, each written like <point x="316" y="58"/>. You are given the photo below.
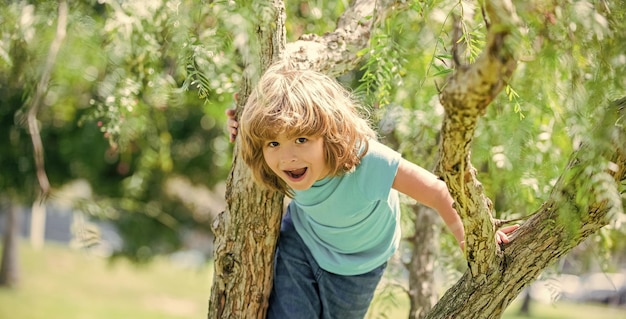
<point x="501" y="237"/>
<point x="230" y="113"/>
<point x="509" y="229"/>
<point x="231" y="124"/>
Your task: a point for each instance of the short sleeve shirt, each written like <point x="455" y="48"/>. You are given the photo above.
<point x="351" y="222"/>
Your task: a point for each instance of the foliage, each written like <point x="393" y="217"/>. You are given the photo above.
<point x="213" y="68"/>
<point x="116" y="113"/>
<point x="381" y="70"/>
<point x="524" y="141"/>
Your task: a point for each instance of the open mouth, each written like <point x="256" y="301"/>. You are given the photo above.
<point x="296" y="173"/>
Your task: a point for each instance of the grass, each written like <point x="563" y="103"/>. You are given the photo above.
<point x="58" y="282"/>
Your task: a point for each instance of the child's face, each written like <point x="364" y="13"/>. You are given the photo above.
<point x="299" y="161"/>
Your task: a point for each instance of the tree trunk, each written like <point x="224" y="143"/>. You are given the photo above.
<point x="539" y="242"/>
<point x="38" y="224"/>
<point x="9" y="268"/>
<point x="246" y="233"/>
<point x="524" y="309"/>
<point x="425" y="242"/>
<point x="497" y="273"/>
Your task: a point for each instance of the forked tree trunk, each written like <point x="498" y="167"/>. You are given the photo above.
<point x="541" y="240"/>
<point x="497" y="274"/>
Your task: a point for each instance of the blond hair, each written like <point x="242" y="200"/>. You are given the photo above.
<point x="302" y="103"/>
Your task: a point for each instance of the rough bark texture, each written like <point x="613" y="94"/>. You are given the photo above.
<point x="465" y="98"/>
<point x="246" y="233"/>
<point x="335" y="53"/>
<point x="496" y="275"/>
<point x="539" y="242"/>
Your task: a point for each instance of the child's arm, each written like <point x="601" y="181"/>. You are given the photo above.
<point x="426" y="188"/>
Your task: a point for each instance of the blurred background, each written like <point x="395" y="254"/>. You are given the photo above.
<point x="117" y="108"/>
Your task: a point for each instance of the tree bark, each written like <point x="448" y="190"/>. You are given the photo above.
<point x="336" y="52"/>
<point x="37" y="101"/>
<point x="496" y="275"/>
<point x="9" y="267"/>
<point x="246" y="233"/>
<point x="538" y="243"/>
<point x="465" y="97"/>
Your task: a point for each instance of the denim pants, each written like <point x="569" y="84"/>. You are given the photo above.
<point x="304" y="290"/>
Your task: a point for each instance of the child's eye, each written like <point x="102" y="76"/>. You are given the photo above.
<point x="301" y="140"/>
<point x="272" y="144"/>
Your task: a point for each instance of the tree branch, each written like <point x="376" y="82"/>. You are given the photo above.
<point x="336" y="52"/>
<point x="465" y="98"/>
<point x="36" y="102"/>
<point x="545" y="238"/>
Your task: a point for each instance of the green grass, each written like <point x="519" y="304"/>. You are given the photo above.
<point x="58" y="282"/>
<point x="61" y="283"/>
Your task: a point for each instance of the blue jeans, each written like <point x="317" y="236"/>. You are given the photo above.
<point x="304" y="290"/>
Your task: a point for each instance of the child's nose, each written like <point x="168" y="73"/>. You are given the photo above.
<point x="288" y="156"/>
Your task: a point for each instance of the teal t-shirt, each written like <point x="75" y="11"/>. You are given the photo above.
<point x="351" y="223"/>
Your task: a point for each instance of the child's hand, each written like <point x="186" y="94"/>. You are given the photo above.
<point x="502" y="233"/>
<point x="232" y="124"/>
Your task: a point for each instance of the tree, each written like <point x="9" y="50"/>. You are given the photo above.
<point x="100" y="98"/>
<point x="9" y="265"/>
<point x="582" y="202"/>
<point x="491" y="267"/>
<point x="12" y="92"/>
